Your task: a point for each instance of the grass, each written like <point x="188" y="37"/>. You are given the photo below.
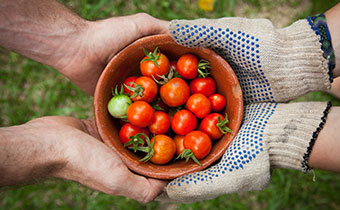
<point x="30" y="90"/>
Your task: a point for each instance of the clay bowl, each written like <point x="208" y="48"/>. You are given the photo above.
<point x="125" y="64"/>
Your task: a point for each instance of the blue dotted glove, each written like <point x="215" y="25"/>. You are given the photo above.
<point x="272" y="65"/>
<point x="272" y="136"/>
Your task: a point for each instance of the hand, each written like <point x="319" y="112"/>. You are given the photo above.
<point x="272" y="136"/>
<point x="79" y="49"/>
<point x="100" y="42"/>
<point x="68" y="148"/>
<point x="272" y="65"/>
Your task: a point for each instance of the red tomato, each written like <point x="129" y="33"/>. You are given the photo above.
<point x="199" y="105"/>
<point x="164" y="148"/>
<point x="206" y="86"/>
<point x="208" y="126"/>
<point x="187" y="66"/>
<point x="145" y="89"/>
<point x="130" y="83"/>
<point x="149" y="68"/>
<point x="175" y="92"/>
<point x="198" y="142"/>
<point x="183" y="122"/>
<point x="129" y="130"/>
<point x="217" y="102"/>
<point x="173" y="65"/>
<point x="140" y="114"/>
<point x="160" y="123"/>
<point x="179" y="144"/>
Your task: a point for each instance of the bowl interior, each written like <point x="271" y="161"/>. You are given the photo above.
<point x="125" y="64"/>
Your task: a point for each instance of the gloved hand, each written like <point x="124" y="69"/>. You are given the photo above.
<point x="272" y="136"/>
<point x="272" y="65"/>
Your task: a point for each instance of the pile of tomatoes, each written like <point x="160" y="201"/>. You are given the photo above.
<point x="175" y="104"/>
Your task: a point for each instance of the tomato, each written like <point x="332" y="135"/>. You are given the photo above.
<point x="149" y="68"/>
<point x="164" y="149"/>
<point x="130" y="83"/>
<point x="140" y="114"/>
<point x="118" y="104"/>
<point x="206" y="86"/>
<point x="160" y="123"/>
<point x="217" y="102"/>
<point x="173" y="65"/>
<point x="159" y="105"/>
<point x="175" y="92"/>
<point x="145" y="89"/>
<point x="129" y="130"/>
<point x="183" y="122"/>
<point x="187" y="66"/>
<point x="214" y="125"/>
<point x="179" y="144"/>
<point x="199" y="143"/>
<point x="199" y="105"/>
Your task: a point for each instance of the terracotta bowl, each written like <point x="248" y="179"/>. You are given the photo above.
<point x="125" y="64"/>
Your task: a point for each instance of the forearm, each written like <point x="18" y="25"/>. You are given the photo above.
<point x="42" y="30"/>
<point x="326" y="150"/>
<point x="333" y="23"/>
<point x="25" y="156"/>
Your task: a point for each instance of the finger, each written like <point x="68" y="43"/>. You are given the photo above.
<point x="143" y="189"/>
<point x="148" y="25"/>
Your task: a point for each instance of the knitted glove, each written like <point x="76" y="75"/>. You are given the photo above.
<point x="272" y="136"/>
<point x="272" y="65"/>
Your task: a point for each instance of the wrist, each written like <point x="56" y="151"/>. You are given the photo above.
<point x="291" y="133"/>
<point x="28" y="154"/>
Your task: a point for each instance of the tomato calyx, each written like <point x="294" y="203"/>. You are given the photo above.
<point x="135" y="141"/>
<point x="152" y="56"/>
<point x="137" y="90"/>
<point x="222" y="124"/>
<point x="164" y="79"/>
<point x="147" y="149"/>
<point x="203" y="68"/>
<point x="187" y="154"/>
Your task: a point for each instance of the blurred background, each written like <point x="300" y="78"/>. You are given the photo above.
<point x="30" y="90"/>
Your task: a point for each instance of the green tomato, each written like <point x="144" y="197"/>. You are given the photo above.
<point x="118" y="105"/>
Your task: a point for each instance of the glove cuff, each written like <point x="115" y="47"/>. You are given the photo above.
<point x="292" y="131"/>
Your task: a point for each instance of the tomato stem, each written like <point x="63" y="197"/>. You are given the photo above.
<point x="135" y="141"/>
<point x="147" y="149"/>
<point x="187" y="154"/>
<point x="152" y="56"/>
<point x="222" y="124"/>
<point x="137" y="90"/>
<point x="203" y="68"/>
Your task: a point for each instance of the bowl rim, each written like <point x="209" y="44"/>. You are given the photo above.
<point x="136" y="167"/>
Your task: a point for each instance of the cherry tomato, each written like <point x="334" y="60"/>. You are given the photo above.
<point x="130" y="83"/>
<point x="160" y="123"/>
<point x="145" y="89"/>
<point x="187" y="66"/>
<point x="199" y="105"/>
<point x="140" y="114"/>
<point x="209" y="126"/>
<point x="148" y="65"/>
<point x="118" y="104"/>
<point x="183" y="122"/>
<point x="164" y="149"/>
<point x="175" y="92"/>
<point x="129" y="130"/>
<point x="173" y="65"/>
<point x="206" y="86"/>
<point x="198" y="142"/>
<point x="179" y="144"/>
<point x="217" y="102"/>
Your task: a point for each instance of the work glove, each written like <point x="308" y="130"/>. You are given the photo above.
<point x="273" y="135"/>
<point x="272" y="65"/>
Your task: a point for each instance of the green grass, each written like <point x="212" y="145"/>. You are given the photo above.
<point x="30" y="90"/>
